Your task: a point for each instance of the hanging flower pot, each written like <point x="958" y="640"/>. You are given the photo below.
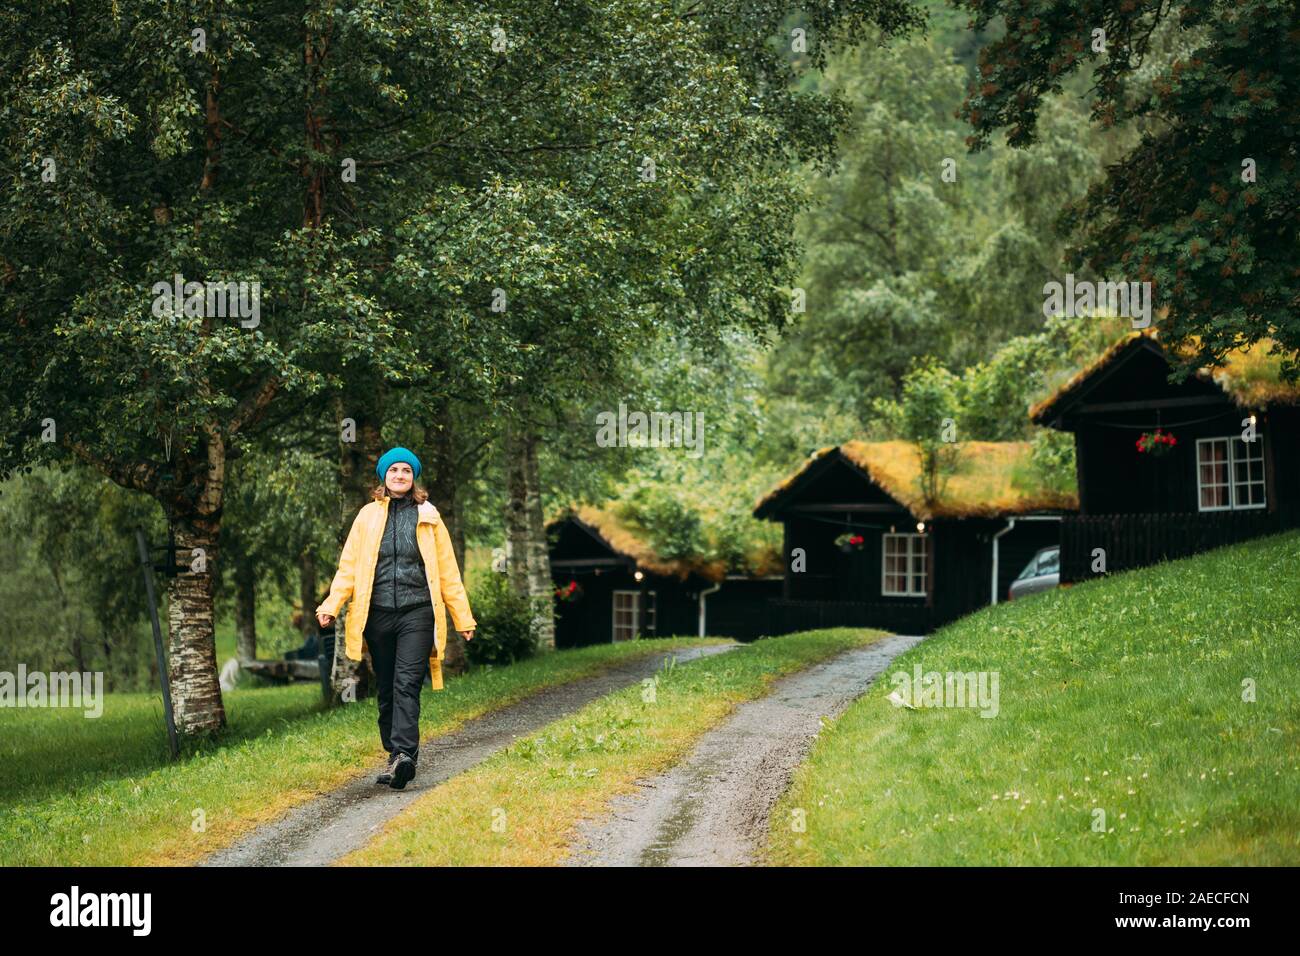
<point x="1156" y="444"/>
<point x="568" y="593"/>
<point x="850" y="541"/>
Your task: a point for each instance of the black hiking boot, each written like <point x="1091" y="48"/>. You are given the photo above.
<point x="387" y="775"/>
<point x="403" y="771"/>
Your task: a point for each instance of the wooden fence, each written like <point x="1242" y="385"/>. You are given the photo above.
<point x="1138" y="540"/>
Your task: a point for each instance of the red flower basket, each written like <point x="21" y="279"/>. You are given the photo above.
<point x="568" y="593"/>
<point x="1156" y="444"/>
<point x="851" y="541"/>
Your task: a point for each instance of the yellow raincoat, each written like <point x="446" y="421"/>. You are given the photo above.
<point x="356" y="574"/>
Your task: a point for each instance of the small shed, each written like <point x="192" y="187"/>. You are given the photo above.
<point x="611" y="585"/>
<point x="865" y="546"/>
<point x="1232" y="471"/>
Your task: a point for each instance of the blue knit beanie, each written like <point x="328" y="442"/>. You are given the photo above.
<point x="394" y="455"/>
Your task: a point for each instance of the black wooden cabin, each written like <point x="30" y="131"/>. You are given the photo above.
<point x="921" y="563"/>
<point x="1215" y="486"/>
<point x="624" y="591"/>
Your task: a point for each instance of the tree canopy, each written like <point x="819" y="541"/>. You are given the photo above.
<point x="1206" y="205"/>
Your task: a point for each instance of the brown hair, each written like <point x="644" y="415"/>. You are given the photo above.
<point x="417" y="493"/>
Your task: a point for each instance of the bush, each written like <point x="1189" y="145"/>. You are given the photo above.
<point x="1053" y="459"/>
<point x="504" y="632"/>
<point x="672" y="527"/>
<point x="926" y="415"/>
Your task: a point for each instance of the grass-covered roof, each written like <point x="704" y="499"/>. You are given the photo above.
<point x="623" y="536"/>
<point x="1250" y="378"/>
<point x="988" y="479"/>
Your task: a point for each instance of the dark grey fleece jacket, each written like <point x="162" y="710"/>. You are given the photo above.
<point x="399" y="574"/>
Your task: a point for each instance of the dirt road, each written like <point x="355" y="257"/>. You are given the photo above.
<point x="712" y="808"/>
<point x="328" y="827"/>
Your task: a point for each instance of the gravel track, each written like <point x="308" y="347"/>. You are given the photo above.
<point x="328" y="827"/>
<point x="712" y="808"/>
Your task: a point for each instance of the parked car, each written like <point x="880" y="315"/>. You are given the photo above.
<point x="1042" y="573"/>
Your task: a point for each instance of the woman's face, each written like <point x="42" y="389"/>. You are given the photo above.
<point x="399" y="479"/>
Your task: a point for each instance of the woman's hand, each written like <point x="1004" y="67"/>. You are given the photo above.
<point x="324" y="620"/>
<point x="468" y="635"/>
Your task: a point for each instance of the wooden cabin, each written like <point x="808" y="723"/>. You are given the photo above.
<point x="1211" y="487"/>
<point x="611" y="586"/>
<point x="865" y="546"/>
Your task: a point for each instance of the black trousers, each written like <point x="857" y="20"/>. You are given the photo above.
<point x="400" y="643"/>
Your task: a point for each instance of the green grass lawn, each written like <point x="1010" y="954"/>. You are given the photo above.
<point x="1123" y="695"/>
<point x="521" y="806"/>
<point x="100" y="791"/>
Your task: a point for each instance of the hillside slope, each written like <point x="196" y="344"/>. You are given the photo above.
<point x="1128" y="695"/>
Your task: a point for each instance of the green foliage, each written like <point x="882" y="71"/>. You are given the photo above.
<point x="70" y="577"/>
<point x="990" y="400"/>
<point x="280" y="504"/>
<point x="540" y="191"/>
<point x="1052" y="460"/>
<point x="653" y="511"/>
<point x="930" y="400"/>
<point x="902" y="262"/>
<point x="882" y="232"/>
<point x="926" y="415"/>
<point x="699" y="510"/>
<point x="504" y="632"/>
<point x="1213" y="85"/>
<point x="681" y="502"/>
<point x="995" y="395"/>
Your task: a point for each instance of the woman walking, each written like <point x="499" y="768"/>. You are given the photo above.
<point x="400" y="572"/>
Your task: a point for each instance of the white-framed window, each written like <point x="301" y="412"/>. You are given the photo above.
<point x="1230" y="473"/>
<point x="904" y="569"/>
<point x="634" y="614"/>
<point x="625" y="608"/>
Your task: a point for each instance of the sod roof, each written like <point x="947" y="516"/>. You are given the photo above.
<point x="1249" y="378"/>
<point x="989" y="479"/>
<point x="625" y="540"/>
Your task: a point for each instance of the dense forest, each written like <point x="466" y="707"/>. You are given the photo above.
<point x="492" y="233"/>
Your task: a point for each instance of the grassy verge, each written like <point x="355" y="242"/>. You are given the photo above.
<point x="78" y="791"/>
<point x="1123" y="695"/>
<point x="521" y="806"/>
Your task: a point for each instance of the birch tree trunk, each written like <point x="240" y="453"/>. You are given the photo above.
<point x="191" y="488"/>
<point x="540" y="587"/>
<point x="192" y="647"/>
<point x="529" y="563"/>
